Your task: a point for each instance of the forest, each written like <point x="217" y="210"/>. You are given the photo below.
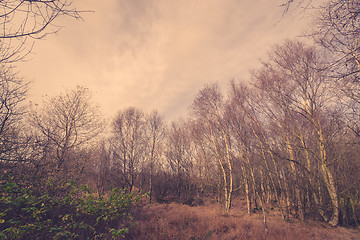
<point x="287" y="140"/>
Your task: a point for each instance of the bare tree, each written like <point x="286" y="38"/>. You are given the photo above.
<point x="178" y="155"/>
<point x="68" y="122"/>
<point x="155" y="137"/>
<point x="12" y="109"/>
<point x="99" y="171"/>
<point x="208" y="107"/>
<point x="338" y="27"/>
<point x="23" y="19"/>
<point x="248" y="152"/>
<point x="205" y="171"/>
<point x="286" y="5"/>
<point x="128" y="145"/>
<point x="241" y="134"/>
<point x="297" y="96"/>
<point x="337" y="30"/>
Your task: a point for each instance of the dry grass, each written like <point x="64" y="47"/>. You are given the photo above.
<point x="174" y="221"/>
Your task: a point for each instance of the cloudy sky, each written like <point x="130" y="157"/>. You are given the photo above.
<point x="157" y="54"/>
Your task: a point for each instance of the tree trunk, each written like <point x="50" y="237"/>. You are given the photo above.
<point x="329" y="181"/>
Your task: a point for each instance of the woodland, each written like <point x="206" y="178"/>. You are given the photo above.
<point x="285" y="142"/>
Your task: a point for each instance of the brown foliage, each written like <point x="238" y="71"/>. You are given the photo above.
<point x="174" y="221"/>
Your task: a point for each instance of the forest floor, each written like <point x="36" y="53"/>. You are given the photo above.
<point x="176" y="221"/>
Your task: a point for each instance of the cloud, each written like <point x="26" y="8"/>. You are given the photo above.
<point x="156" y="54"/>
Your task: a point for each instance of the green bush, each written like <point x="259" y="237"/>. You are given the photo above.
<point x="77" y="213"/>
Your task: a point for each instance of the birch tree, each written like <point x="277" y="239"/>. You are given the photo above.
<point x="155" y="139"/>
<point x="128" y="146"/>
<point x="179" y="156"/>
<point x="208" y="107"/>
<point x="296" y="88"/>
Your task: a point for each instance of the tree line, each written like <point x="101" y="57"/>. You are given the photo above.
<point x="287" y="139"/>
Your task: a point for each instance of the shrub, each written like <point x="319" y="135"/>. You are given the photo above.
<point x="77" y="214"/>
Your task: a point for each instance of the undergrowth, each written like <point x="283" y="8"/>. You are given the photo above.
<point x="63" y="212"/>
<point x="176" y="221"/>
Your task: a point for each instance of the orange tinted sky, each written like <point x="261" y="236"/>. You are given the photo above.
<point x="157" y="54"/>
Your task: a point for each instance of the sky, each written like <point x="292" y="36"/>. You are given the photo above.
<point x="157" y="54"/>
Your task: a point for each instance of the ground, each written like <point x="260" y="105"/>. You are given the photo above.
<point x="176" y="221"/>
